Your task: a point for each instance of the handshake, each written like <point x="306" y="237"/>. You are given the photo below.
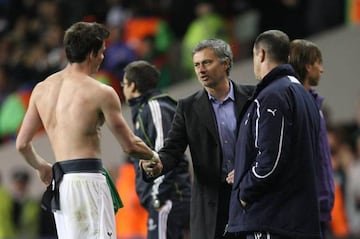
<point x="152" y="167"/>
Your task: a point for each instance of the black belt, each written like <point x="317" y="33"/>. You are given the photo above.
<point x="50" y="200"/>
<point x="88" y="165"/>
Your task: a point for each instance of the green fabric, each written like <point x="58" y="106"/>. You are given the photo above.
<point x="103" y="78"/>
<point x="347" y="11"/>
<point x="30" y="220"/>
<point x="12" y="113"/>
<point x="207" y="26"/>
<point x="7" y="229"/>
<point x="114" y="193"/>
<point x="163" y="37"/>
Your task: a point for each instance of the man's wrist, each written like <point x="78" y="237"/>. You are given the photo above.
<point x="156" y="161"/>
<point x="155" y="157"/>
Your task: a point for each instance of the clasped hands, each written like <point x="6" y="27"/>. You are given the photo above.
<point x="153" y="167"/>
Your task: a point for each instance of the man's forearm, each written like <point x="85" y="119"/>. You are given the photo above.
<point x="142" y="151"/>
<point x="30" y="155"/>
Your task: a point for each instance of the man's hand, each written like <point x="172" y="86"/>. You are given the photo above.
<point x="45" y="173"/>
<point x="230" y="177"/>
<point x="243" y="203"/>
<point x="153" y="167"/>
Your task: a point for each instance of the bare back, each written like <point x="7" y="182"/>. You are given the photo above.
<point x="72" y="107"/>
<point x="68" y="104"/>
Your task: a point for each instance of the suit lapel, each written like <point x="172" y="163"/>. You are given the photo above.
<point x="203" y="109"/>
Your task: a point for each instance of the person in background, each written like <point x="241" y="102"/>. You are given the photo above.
<point x="353" y="177"/>
<point x="7" y="228"/>
<point x="167" y="198"/>
<point x="20" y="213"/>
<point x="274" y="192"/>
<point x="208" y="23"/>
<point x="341" y="159"/>
<point x="206" y="122"/>
<point x="306" y="59"/>
<point x="26" y="210"/>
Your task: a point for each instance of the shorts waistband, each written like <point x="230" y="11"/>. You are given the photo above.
<point x="85" y="165"/>
<point x="50" y="200"/>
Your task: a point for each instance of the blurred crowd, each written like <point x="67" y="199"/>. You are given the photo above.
<point x="344" y="142"/>
<point x="162" y="32"/>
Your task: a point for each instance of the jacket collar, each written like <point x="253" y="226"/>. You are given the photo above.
<point x="137" y="102"/>
<point x="275" y="74"/>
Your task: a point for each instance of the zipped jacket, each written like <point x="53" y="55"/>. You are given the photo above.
<point x="275" y="156"/>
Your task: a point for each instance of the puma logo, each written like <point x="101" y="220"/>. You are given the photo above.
<point x="109" y="234"/>
<point x="272" y="111"/>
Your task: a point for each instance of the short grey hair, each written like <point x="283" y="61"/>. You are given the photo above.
<point x="221" y="48"/>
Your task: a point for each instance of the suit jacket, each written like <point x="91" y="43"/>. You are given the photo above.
<point x="194" y="125"/>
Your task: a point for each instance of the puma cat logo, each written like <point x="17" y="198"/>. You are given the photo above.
<point x="272" y="111"/>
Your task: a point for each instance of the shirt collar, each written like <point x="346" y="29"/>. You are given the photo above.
<point x="230" y="95"/>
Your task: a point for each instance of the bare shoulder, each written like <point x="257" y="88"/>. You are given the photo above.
<point x="44" y="85"/>
<point x="105" y="92"/>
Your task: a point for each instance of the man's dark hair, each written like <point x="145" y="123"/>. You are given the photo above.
<point x="303" y="52"/>
<point x="276" y="44"/>
<point x="143" y="74"/>
<point x="83" y="38"/>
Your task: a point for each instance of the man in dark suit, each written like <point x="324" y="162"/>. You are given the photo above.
<point x="207" y="122"/>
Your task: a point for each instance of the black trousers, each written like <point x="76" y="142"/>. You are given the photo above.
<point x="223" y="210"/>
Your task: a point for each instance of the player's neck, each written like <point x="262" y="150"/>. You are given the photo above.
<point x="81" y="68"/>
<point x="307" y="85"/>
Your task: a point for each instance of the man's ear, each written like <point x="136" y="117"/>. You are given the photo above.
<point x="90" y="55"/>
<point x="308" y="67"/>
<point x="262" y="54"/>
<point x="227" y="63"/>
<point x="132" y="86"/>
<point x="133" y="89"/>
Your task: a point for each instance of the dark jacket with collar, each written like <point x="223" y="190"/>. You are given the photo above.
<point x="325" y="182"/>
<point x="194" y="126"/>
<point x="152" y="114"/>
<point x="275" y="153"/>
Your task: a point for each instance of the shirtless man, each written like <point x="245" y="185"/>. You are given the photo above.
<point x="72" y="107"/>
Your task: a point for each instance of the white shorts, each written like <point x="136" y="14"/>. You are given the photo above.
<point x="86" y="208"/>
